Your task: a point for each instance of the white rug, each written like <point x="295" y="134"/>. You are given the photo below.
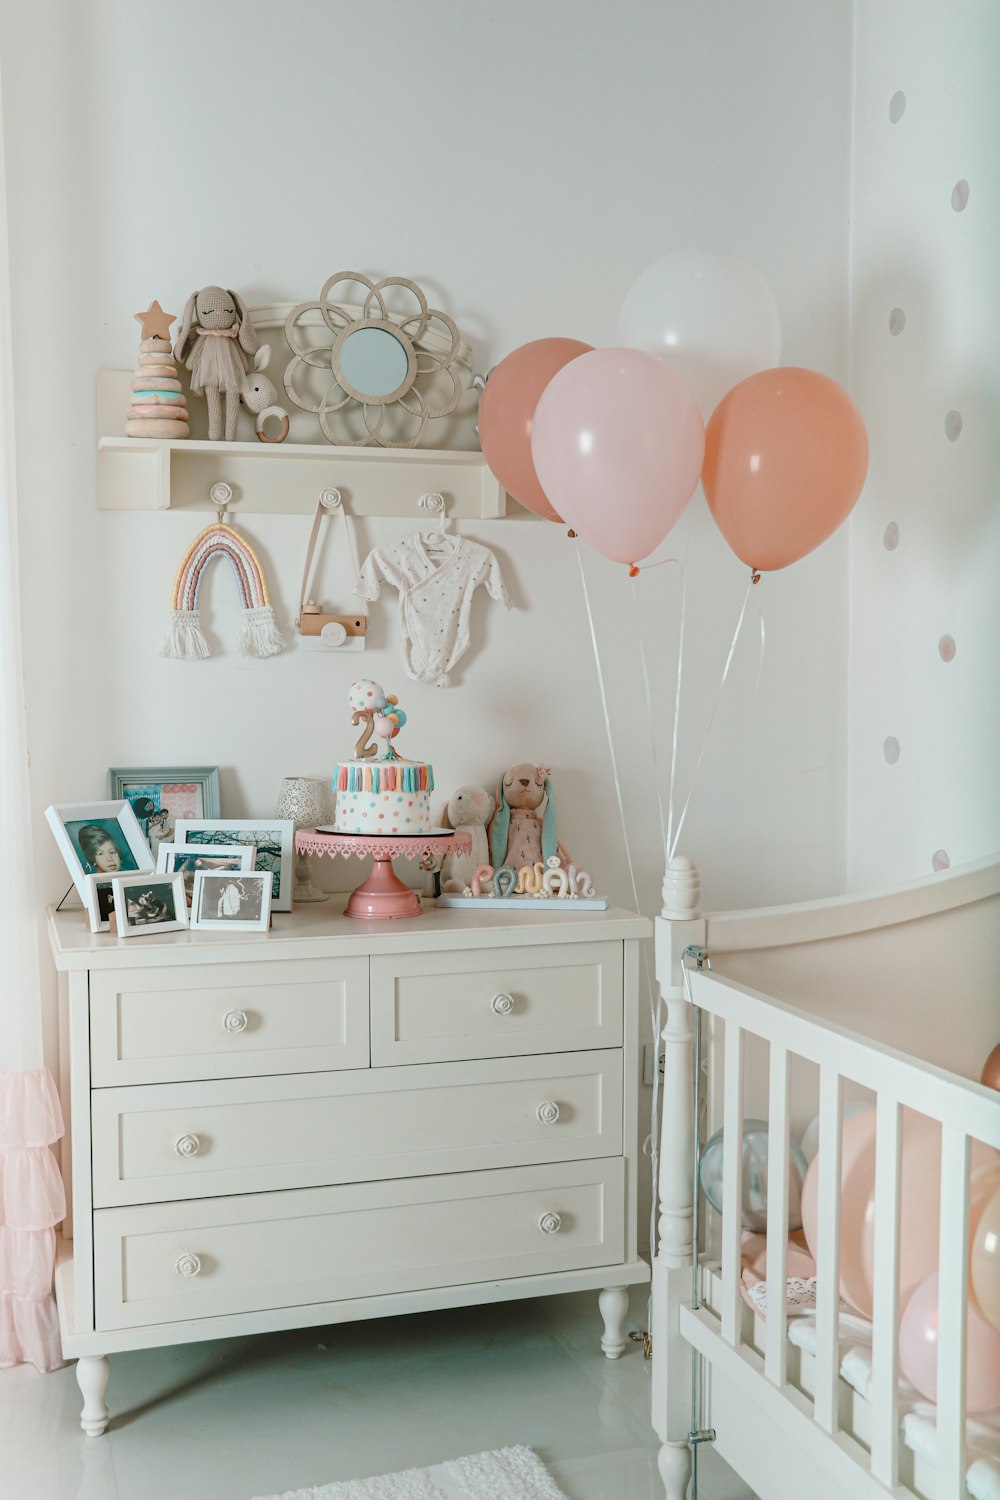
<point x="506" y="1474"/>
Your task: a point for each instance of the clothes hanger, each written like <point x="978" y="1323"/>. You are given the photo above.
<point x="437" y="537"/>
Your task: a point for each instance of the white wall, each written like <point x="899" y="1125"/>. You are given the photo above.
<point x="524" y="162"/>
<point x="925" y="540"/>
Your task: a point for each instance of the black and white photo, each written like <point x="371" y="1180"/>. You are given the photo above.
<point x="232" y="900"/>
<point x="149" y="903"/>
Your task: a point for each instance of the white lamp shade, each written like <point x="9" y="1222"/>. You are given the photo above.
<point x="304" y="799"/>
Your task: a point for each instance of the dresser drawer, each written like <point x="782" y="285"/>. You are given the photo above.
<point x="495" y="1002"/>
<point x="227" y="1020"/>
<point x="232" y="1255"/>
<point x="188" y="1140"/>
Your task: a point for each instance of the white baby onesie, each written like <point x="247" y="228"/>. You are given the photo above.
<point x="436" y="577"/>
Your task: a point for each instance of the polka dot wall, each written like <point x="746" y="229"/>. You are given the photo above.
<point x="924" y="694"/>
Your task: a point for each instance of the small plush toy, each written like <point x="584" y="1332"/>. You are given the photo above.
<point x="260" y="397"/>
<point x="470" y="809"/>
<point x="216" y="342"/>
<point x="523" y="830"/>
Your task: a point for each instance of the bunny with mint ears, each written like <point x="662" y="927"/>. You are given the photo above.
<point x="216" y="341"/>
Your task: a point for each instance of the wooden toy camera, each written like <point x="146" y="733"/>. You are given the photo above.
<point x="319" y="631"/>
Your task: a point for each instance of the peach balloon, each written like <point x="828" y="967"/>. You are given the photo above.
<point x="918" y="1350"/>
<point x="786" y="454"/>
<point x="507" y="411"/>
<point x="984" y="1258"/>
<point x="919" y="1214"/>
<point x="991" y="1070"/>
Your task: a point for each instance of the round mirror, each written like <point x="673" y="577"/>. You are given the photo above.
<point x="373" y="362"/>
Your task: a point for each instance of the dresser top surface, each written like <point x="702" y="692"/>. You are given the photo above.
<point x="322" y="931"/>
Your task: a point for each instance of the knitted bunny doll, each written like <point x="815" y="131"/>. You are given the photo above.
<point x="522" y="830"/>
<point x="216" y="335"/>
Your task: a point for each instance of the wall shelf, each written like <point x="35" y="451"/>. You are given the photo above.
<point x="278" y="478"/>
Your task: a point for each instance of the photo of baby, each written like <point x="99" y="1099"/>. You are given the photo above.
<point x="147" y="905"/>
<point x="101" y="847"/>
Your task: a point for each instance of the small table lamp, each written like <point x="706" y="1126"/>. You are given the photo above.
<point x="306" y="800"/>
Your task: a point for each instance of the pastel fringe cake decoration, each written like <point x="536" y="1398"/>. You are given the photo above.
<point x="259" y="634"/>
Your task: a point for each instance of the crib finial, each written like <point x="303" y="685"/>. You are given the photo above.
<point x="681" y="890"/>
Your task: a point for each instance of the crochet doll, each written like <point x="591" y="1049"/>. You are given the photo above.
<point x="216" y="341"/>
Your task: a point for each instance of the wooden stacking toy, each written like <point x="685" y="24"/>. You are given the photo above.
<point x="158" y="408"/>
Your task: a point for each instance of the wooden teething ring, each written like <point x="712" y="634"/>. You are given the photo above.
<point x="272" y="411"/>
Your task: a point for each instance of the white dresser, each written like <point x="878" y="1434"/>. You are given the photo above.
<point x="343" y="1120"/>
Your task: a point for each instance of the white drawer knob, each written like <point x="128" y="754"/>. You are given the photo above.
<point x="548" y="1112"/>
<point x="187" y="1264"/>
<point x="187" y="1145"/>
<point x="503" y="1004"/>
<point x="550" y="1223"/>
<point x="235" y="1020"/>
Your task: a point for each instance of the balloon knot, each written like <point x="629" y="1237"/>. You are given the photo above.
<point x="570" y="532"/>
<point x="755" y="576"/>
<point x="633" y="571"/>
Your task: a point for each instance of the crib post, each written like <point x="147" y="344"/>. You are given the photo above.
<point x="678" y="927"/>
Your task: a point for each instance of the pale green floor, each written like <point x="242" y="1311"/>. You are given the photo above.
<point x="238" y="1418"/>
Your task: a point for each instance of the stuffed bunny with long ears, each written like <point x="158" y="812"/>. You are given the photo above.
<point x="523" y="828"/>
<point x="216" y="341"/>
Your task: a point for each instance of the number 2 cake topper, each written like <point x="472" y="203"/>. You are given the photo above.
<point x="380" y="715"/>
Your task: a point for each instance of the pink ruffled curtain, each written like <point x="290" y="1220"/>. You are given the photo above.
<point x="32" y="1201"/>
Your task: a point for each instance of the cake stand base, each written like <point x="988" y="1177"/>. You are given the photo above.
<point x="383" y="894"/>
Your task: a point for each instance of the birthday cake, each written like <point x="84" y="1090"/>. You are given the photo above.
<point x="379" y="791"/>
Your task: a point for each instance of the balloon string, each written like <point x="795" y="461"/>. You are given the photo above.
<point x="649" y="702"/>
<point x="677" y="712"/>
<point x="653" y="991"/>
<point x="711" y="719"/>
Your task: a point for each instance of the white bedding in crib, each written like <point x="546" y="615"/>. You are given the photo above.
<point x="982" y="1434"/>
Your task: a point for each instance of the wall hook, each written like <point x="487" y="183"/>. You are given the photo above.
<point x="220" y="495"/>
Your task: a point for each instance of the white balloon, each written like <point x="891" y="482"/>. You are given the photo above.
<point x="713" y="318"/>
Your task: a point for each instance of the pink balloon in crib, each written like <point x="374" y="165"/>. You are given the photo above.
<point x="617" y="443"/>
<point x="919" y="1214"/>
<point x="918" y="1349"/>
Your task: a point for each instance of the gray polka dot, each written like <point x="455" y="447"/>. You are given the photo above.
<point x="953" y="426"/>
<point x="897" y="321"/>
<point x="890" y="750"/>
<point x="890" y="537"/>
<point x="897" y="107"/>
<point x="960" y="195"/>
<point x="940" y="860"/>
<point x="946" y="648"/>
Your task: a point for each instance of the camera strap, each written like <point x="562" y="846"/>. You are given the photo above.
<point x="328" y="504"/>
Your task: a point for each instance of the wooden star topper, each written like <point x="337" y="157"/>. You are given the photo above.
<point x="155" y="322"/>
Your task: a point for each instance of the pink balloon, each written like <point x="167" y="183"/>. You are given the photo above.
<point x="617" y="444"/>
<point x="919" y="1208"/>
<point x="918" y="1350"/>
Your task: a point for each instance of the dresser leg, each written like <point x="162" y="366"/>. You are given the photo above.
<point x="674" y="1463"/>
<point x="613" y="1302"/>
<point x="92" y="1377"/>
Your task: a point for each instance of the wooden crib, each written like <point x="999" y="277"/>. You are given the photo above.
<point x="894" y="994"/>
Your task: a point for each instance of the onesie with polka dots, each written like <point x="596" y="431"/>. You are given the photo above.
<point x="436" y="576"/>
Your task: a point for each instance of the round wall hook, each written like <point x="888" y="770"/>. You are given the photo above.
<point x="331" y="499"/>
<point x="220" y="495"/>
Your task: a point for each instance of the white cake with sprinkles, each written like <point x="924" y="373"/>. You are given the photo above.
<point x="379" y="791"/>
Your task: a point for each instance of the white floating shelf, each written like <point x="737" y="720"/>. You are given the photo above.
<point x="279" y="478"/>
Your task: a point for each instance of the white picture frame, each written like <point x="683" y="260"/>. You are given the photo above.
<point x="99" y="900"/>
<point x="187" y="859"/>
<point x="272" y="840"/>
<point x="231" y="902"/>
<point x="77" y="826"/>
<point x="164" y="911"/>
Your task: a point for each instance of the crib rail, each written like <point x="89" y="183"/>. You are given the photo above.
<point x="965" y="1111"/>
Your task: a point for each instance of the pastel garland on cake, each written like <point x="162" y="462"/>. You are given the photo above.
<point x="259" y="635"/>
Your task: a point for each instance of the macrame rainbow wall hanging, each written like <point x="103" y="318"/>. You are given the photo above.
<point x="259" y="635"/>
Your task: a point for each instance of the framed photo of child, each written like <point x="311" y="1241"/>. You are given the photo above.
<point x="188" y="859"/>
<point x="146" y="903"/>
<point x="98" y="838"/>
<point x="161" y="794"/>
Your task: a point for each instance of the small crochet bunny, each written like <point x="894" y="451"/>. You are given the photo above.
<point x="215" y="343"/>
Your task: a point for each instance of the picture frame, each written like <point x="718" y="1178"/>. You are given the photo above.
<point x="231" y="901"/>
<point x="148" y="902"/>
<point x="161" y="794"/>
<point x="100" y="902"/>
<point x="271" y="838"/>
<point x="187" y="859"/>
<point x="78" y="826"/>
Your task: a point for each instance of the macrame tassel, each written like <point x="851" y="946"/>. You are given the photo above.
<point x="259" y="635"/>
<point x="184" y="637"/>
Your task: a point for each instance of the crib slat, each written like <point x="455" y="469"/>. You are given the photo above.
<point x="775" y="1346"/>
<point x="888" y="1139"/>
<point x="953" y="1276"/>
<point x="826" y="1401"/>
<point x="732" y="1185"/>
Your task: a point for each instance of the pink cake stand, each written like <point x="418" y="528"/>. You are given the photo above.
<point x="383" y="894"/>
